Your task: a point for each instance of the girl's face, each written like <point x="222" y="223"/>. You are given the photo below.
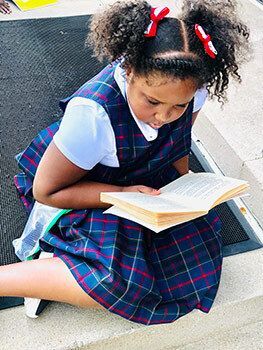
<point x="158" y="100"/>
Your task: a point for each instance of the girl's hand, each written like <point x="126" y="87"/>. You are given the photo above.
<point x="141" y="189"/>
<point x="4" y="7"/>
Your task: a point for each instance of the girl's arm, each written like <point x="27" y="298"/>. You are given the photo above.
<point x="182" y="165"/>
<point x="60" y="183"/>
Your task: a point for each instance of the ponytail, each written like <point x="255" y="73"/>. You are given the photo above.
<point x="119" y="31"/>
<point x="228" y="34"/>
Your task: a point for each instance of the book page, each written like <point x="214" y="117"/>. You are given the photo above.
<point x="119" y="212"/>
<point x="201" y="187"/>
<point x="147" y="202"/>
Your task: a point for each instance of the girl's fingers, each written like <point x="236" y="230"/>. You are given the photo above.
<point x="148" y="190"/>
<point x="5" y="8"/>
<point x="142" y="189"/>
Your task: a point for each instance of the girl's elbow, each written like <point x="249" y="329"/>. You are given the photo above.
<point x="40" y="195"/>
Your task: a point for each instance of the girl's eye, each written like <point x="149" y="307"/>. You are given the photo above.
<point x="181" y="106"/>
<point x="154" y="103"/>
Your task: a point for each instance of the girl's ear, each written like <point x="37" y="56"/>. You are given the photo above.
<point x="129" y="75"/>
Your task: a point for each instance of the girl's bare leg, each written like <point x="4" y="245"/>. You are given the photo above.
<point x="48" y="279"/>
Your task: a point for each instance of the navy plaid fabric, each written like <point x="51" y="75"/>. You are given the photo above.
<point x="140" y="275"/>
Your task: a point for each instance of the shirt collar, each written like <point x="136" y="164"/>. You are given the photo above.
<point x="120" y="77"/>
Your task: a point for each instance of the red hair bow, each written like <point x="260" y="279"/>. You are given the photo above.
<point x="206" y="40"/>
<point x="157" y="14"/>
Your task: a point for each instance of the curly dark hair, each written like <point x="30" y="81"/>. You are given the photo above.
<point x="176" y="51"/>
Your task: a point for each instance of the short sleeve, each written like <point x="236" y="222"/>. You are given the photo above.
<point x="199" y="99"/>
<point x="85" y="135"/>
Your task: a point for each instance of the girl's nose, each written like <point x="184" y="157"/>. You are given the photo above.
<point x="161" y="118"/>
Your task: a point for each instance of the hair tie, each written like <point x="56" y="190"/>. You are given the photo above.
<point x="157" y="14"/>
<point x="206" y="40"/>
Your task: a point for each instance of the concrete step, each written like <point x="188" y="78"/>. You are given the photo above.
<point x="62" y="327"/>
<point x="233" y="135"/>
<point x="248" y="337"/>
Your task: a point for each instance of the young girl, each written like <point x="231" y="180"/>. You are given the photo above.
<point x="129" y="129"/>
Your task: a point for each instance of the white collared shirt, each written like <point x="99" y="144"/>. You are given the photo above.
<point x="86" y="136"/>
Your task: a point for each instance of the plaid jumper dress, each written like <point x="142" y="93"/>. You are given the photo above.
<point x="145" y="277"/>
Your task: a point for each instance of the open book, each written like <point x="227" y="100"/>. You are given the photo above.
<point x="182" y="200"/>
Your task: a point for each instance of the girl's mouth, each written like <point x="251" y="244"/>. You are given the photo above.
<point x="155" y="126"/>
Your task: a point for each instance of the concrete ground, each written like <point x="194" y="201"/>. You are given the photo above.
<point x="234" y="137"/>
